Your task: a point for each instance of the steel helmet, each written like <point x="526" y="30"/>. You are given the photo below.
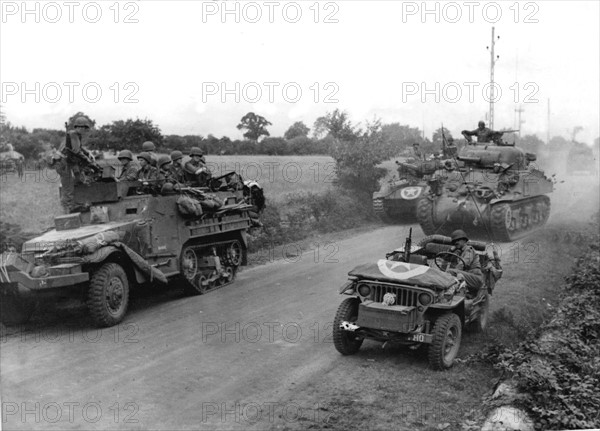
<point x="458" y="234"/>
<point x="125" y="154"/>
<point x="145" y="156"/>
<point x="163" y="159"/>
<point x="148" y="146"/>
<point x="81" y="122"/>
<point x="176" y="155"/>
<point x="481" y="123"/>
<point x="195" y="151"/>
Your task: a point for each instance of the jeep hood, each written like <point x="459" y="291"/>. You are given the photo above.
<point x="47" y="240"/>
<point x="405" y="273"/>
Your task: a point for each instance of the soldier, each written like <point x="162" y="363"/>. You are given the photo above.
<point x="195" y="169"/>
<point x="471" y="269"/>
<point x="149" y="148"/>
<point x="70" y="162"/>
<point x="177" y="172"/>
<point x="147" y="172"/>
<point x="451" y="149"/>
<point x="417" y="151"/>
<point x="129" y="168"/>
<point x="483" y="133"/>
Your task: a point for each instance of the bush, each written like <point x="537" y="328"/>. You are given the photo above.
<point x="561" y="369"/>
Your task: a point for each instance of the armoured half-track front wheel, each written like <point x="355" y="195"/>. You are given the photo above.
<point x="108" y="295"/>
<point x="425" y="215"/>
<point x="344" y="341"/>
<point x="447" y="333"/>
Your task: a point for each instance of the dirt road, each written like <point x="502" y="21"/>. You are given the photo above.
<point x="255" y="354"/>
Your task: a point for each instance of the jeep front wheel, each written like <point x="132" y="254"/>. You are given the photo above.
<point x="447" y="332"/>
<point x="344" y="341"/>
<point x="108" y="295"/>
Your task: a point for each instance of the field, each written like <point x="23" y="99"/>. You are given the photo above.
<point x="33" y="201"/>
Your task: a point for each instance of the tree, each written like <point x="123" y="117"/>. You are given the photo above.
<point x="129" y="134"/>
<point x="298" y="129"/>
<point x="357" y="158"/>
<point x="335" y="124"/>
<point x="255" y="126"/>
<point x="531" y="143"/>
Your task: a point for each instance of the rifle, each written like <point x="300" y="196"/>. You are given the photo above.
<point x="81" y="155"/>
<point x="444" y="151"/>
<point x="407" y="246"/>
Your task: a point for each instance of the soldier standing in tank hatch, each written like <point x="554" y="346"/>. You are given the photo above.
<point x="129" y="168"/>
<point x="483" y="133"/>
<point x="196" y="170"/>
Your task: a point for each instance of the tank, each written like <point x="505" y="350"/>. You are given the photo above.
<point x="494" y="191"/>
<point x="396" y="200"/>
<point x="581" y="161"/>
<point x="130" y="234"/>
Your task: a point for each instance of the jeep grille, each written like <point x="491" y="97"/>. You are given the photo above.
<point x="404" y="296"/>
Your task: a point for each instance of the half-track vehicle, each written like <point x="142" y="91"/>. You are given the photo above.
<point x="409" y="298"/>
<point x="129" y="234"/>
<point x="492" y="191"/>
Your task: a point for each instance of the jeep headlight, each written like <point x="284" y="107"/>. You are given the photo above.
<point x="425" y="299"/>
<point x="364" y="290"/>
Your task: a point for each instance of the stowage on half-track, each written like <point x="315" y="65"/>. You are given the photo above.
<point x="493" y="190"/>
<point x="131" y="234"/>
<point x="409" y="298"/>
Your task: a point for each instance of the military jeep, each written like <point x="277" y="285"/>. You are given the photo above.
<point x="410" y="298"/>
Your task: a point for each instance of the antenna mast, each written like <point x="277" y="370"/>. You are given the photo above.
<point x="493" y="58"/>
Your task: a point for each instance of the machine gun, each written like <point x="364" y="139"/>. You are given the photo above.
<point x="497" y="137"/>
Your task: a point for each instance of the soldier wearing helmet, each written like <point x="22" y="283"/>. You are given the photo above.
<point x="483" y="133"/>
<point x="150" y="148"/>
<point x="129" y="168"/>
<point x="176" y="169"/>
<point x="470" y="270"/>
<point x="164" y="170"/>
<point x="195" y="169"/>
<point x="71" y="161"/>
<point x="147" y="172"/>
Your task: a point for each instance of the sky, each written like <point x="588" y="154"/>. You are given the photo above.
<point x="197" y="67"/>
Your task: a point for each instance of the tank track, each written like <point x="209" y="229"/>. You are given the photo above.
<point x="510" y="221"/>
<point x="506" y="221"/>
<point x="379" y="210"/>
<point x="211" y="282"/>
<point x="425" y="216"/>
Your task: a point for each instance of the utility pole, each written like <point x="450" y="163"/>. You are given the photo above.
<point x="493" y="58"/>
<point x="519" y="111"/>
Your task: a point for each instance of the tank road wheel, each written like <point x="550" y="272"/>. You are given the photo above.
<point x="447" y="332"/>
<point x="108" y="295"/>
<point x="346" y="342"/>
<point x="425" y="215"/>
<point x="502" y="222"/>
<point x="229" y="274"/>
<point x="481" y="322"/>
<point x="234" y="253"/>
